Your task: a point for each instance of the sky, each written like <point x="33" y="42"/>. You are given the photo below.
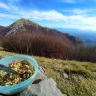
<point x="79" y="14"/>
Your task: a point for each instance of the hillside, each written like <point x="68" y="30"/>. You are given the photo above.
<point x="73" y="78"/>
<point x="1" y="28"/>
<point x="22" y="26"/>
<point x="3" y="31"/>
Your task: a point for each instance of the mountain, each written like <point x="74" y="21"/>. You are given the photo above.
<point x="22" y="26"/>
<point x="3" y="31"/>
<point x="1" y="28"/>
<point x="90" y="43"/>
<point x="82" y="34"/>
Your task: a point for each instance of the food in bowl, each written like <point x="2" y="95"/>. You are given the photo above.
<point x="22" y="67"/>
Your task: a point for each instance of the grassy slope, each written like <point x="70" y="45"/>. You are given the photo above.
<point x="81" y="80"/>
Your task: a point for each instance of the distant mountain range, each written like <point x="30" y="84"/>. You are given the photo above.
<point x="90" y="42"/>
<point x="88" y="36"/>
<point x="22" y="25"/>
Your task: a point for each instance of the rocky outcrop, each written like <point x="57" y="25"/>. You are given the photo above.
<point x="46" y="87"/>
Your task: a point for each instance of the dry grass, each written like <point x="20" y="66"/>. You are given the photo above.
<point x="80" y="82"/>
<point x="5" y="53"/>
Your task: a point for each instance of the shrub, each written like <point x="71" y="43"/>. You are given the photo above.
<point x="83" y="53"/>
<point x="40" y="45"/>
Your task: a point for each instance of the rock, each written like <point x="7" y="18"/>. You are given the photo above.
<point x="46" y="87"/>
<point x="65" y="75"/>
<point x="94" y="73"/>
<point x="42" y="69"/>
<point x="40" y="76"/>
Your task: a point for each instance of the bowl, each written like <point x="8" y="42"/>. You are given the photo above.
<point x="17" y="88"/>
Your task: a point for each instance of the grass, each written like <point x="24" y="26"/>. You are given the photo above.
<point x="80" y="82"/>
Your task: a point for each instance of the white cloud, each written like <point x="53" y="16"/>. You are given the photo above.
<point x="13" y="7"/>
<point x="42" y="15"/>
<point x="2" y="5"/>
<point x="56" y="16"/>
<point x="79" y="11"/>
<point x="9" y="7"/>
<point x="46" y="15"/>
<point x="89" y="20"/>
<point x="2" y="15"/>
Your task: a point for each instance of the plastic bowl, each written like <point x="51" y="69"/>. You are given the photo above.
<point x="17" y="88"/>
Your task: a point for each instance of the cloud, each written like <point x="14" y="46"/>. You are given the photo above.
<point x="2" y="5"/>
<point x="8" y="7"/>
<point x="44" y="15"/>
<point x="79" y="11"/>
<point x="47" y="15"/>
<point x="13" y="8"/>
<point x="57" y="16"/>
<point x="2" y="15"/>
<point x="80" y="19"/>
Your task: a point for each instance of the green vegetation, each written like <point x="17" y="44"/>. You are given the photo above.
<point x="80" y="80"/>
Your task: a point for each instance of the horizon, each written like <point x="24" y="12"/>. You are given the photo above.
<point x="75" y="14"/>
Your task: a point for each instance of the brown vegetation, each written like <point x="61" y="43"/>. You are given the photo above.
<point x="39" y="45"/>
<point x="47" y="46"/>
<point x="83" y="53"/>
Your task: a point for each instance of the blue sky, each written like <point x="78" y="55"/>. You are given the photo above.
<point x="79" y="14"/>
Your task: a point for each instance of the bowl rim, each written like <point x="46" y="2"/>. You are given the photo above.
<point x="23" y="82"/>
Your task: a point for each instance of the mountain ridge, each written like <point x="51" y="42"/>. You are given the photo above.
<point x="82" y="34"/>
<point x="23" y="25"/>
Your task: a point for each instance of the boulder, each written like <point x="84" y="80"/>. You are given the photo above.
<point x="40" y="76"/>
<point x="46" y="87"/>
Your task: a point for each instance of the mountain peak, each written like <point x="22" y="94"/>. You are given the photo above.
<point x="19" y="25"/>
<point x="22" y="19"/>
<point x="22" y="22"/>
